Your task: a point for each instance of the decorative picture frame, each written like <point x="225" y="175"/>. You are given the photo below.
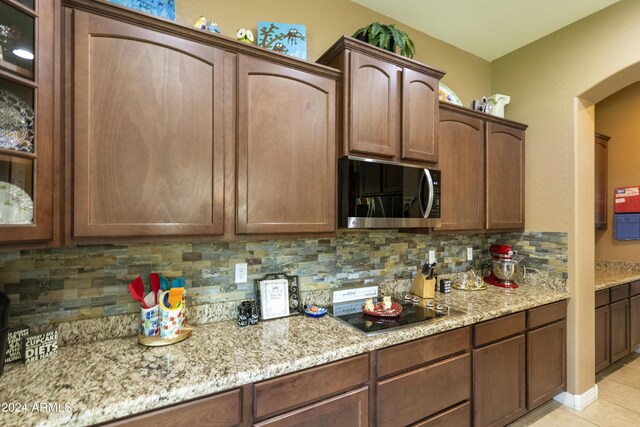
<point x="290" y="39"/>
<point x="276" y="310"/>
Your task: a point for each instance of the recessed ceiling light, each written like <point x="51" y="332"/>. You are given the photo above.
<point x="23" y="54"/>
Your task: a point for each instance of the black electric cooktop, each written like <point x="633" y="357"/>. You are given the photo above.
<point x="414" y="311"/>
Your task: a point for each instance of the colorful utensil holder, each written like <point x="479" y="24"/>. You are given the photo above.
<point x="149" y="321"/>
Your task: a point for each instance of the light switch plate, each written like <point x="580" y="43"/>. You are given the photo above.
<point x="432" y="257"/>
<point x="241" y="272"/>
<point x="469" y="254"/>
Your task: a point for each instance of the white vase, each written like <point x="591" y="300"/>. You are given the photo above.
<point x="497" y="103"/>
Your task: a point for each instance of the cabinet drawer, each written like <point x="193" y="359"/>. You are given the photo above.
<point x="458" y="416"/>
<point x="602" y="298"/>
<point x="219" y="410"/>
<point x="415" y="395"/>
<point x="546" y="314"/>
<point x="494" y="330"/>
<point x="634" y="288"/>
<point x="409" y="355"/>
<point x="619" y="292"/>
<point x="294" y="390"/>
<point x="348" y="409"/>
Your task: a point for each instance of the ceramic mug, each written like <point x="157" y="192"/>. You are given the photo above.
<point x="170" y="321"/>
<point x="149" y="321"/>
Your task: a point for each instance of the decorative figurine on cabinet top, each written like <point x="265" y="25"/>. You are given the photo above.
<point x="201" y="23"/>
<point x="245" y="36"/>
<point x="497" y="103"/>
<point x="284" y="38"/>
<point x="213" y="27"/>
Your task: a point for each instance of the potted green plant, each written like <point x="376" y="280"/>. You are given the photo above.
<point x="387" y="37"/>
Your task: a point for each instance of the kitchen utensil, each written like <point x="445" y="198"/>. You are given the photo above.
<point x="175" y="297"/>
<point x="150" y="299"/>
<point x="136" y="291"/>
<point x="155" y="284"/>
<point x="177" y="283"/>
<point x="164" y="283"/>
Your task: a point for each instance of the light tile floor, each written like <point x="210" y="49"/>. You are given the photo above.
<point x="618" y="403"/>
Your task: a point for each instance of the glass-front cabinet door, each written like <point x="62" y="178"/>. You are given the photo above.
<point x="26" y="120"/>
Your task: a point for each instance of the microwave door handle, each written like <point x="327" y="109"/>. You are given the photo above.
<point x="426" y="177"/>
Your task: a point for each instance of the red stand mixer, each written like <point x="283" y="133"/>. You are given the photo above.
<point x="503" y="267"/>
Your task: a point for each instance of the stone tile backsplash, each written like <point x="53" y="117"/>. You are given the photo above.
<point x="87" y="282"/>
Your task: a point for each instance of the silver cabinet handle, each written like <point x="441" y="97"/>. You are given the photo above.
<point x="426" y="176"/>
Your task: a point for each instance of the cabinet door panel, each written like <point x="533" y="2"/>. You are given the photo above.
<point x="286" y="149"/>
<point x="461" y="161"/>
<point x="600" y="166"/>
<point x="415" y="395"/>
<point x="546" y="363"/>
<point x="419" y="116"/>
<point x="619" y="335"/>
<point x="349" y="409"/>
<point x="499" y="382"/>
<point x="148" y="149"/>
<point x="602" y="338"/>
<point x="505" y="177"/>
<point x="634" y="321"/>
<point x="375" y="111"/>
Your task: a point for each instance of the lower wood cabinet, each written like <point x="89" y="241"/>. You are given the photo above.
<point x="418" y="394"/>
<point x="499" y="382"/>
<point x="546" y="363"/>
<point x="634" y="321"/>
<point x="348" y="409"/>
<point x="221" y="410"/>
<point x="602" y="338"/>
<point x="619" y="315"/>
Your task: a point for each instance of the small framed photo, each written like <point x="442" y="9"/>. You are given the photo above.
<point x="278" y="295"/>
<point x="274" y="298"/>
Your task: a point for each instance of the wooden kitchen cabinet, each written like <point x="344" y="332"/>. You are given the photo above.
<point x="29" y="199"/>
<point x="389" y="104"/>
<point x="602" y="338"/>
<point x="461" y="163"/>
<point x="147" y="131"/>
<point x="482" y="163"/>
<point x="546" y="353"/>
<point x="221" y="410"/>
<point x="601" y="171"/>
<point x="619" y="335"/>
<point x="348" y="409"/>
<point x="286" y="174"/>
<point x="499" y="371"/>
<point x="505" y="177"/>
<point x="634" y="315"/>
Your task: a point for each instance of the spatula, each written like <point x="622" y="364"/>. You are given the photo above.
<point x="175" y="296"/>
<point x="164" y="283"/>
<point x="155" y="285"/>
<point x="136" y="294"/>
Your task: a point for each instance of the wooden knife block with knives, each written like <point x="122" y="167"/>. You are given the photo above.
<point x="424" y="284"/>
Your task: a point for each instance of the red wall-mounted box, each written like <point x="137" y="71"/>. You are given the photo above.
<point x="627" y="200"/>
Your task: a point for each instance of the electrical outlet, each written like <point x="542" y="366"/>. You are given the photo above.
<point x="241" y="272"/>
<point x="432" y="257"/>
<point x="469" y="254"/>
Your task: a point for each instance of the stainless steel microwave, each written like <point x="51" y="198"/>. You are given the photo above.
<point x="377" y="194"/>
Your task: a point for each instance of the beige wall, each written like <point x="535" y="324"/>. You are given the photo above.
<point x="326" y="21"/>
<point x="617" y="117"/>
<point x="554" y="83"/>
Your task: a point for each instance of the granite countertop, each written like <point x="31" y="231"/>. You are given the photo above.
<point x="100" y="381"/>
<point x="613" y="273"/>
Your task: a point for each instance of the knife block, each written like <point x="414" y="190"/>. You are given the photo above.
<point x="423" y="287"/>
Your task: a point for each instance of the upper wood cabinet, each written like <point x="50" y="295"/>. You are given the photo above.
<point x="27" y="124"/>
<point x="482" y="165"/>
<point x="461" y="164"/>
<point x="389" y="104"/>
<point x="505" y="177"/>
<point x="286" y="174"/>
<point x="147" y="131"/>
<point x="601" y="199"/>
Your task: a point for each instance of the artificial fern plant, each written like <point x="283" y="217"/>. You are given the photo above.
<point x="387" y="37"/>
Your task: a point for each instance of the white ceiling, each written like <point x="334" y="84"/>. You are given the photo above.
<point x="487" y="28"/>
